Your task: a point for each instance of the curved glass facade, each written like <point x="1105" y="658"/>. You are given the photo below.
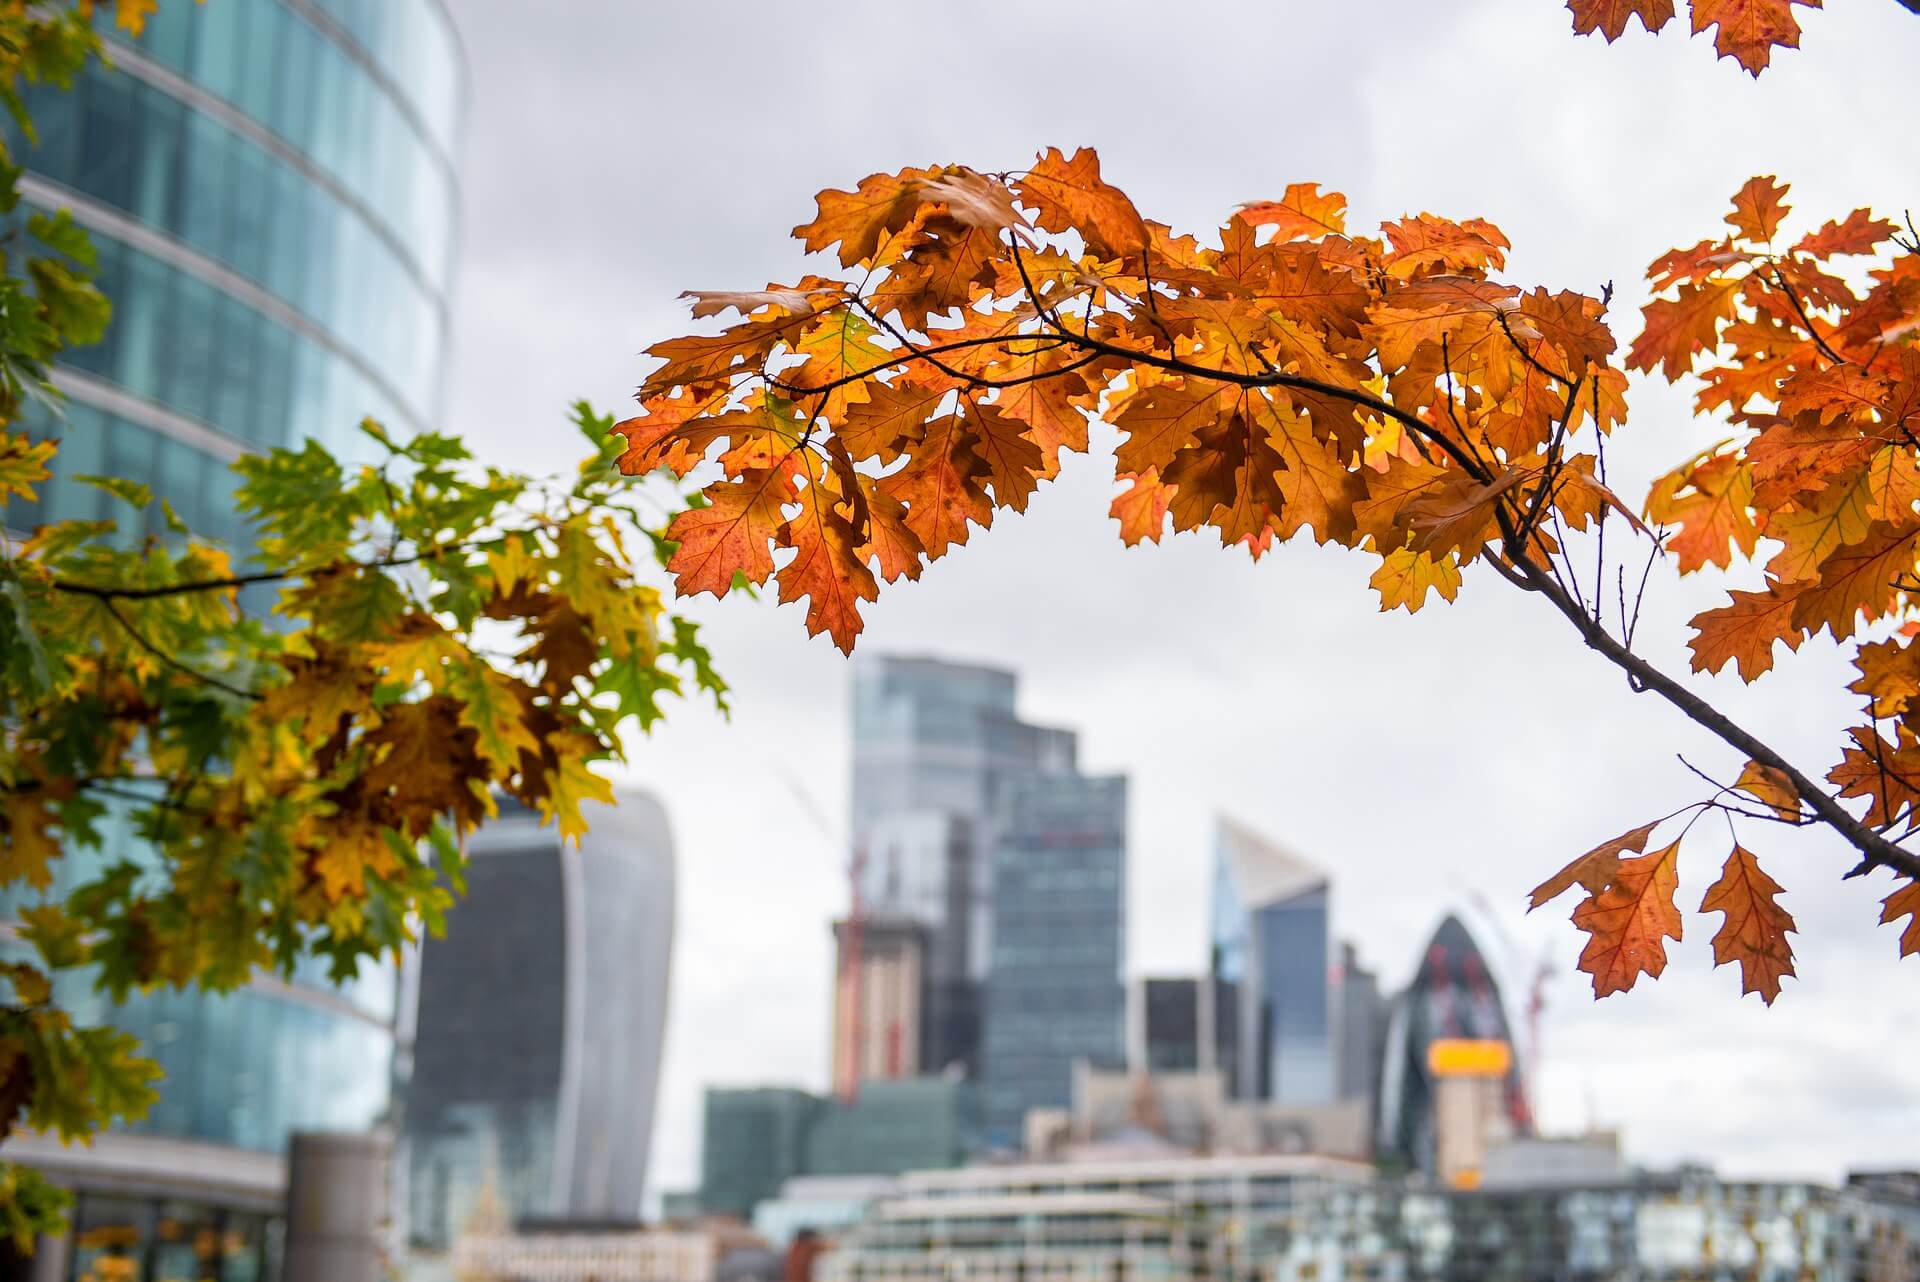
<point x="271" y="187"/>
<point x="1453" y="994"/>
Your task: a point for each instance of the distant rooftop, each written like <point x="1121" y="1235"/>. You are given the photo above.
<point x="1265" y="872"/>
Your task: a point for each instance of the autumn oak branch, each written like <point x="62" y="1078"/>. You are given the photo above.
<point x="1387" y="393"/>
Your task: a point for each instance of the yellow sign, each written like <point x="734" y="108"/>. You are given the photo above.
<point x="1468" y="1057"/>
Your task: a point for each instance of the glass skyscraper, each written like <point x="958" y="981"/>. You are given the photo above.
<point x="1272" y="1027"/>
<point x="541" y="1023"/>
<point x="1453" y="994"/>
<point x="1054" y="992"/>
<point x="937" y="748"/>
<point x="271" y="187"/>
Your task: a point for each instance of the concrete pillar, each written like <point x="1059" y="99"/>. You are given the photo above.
<point x="337" y="1207"/>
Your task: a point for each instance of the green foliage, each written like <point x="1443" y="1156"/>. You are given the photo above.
<point x="195" y="789"/>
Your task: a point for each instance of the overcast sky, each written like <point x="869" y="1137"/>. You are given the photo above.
<point x="618" y="152"/>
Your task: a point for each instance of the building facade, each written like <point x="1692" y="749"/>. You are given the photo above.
<point x="1164" y="1025"/>
<point x="272" y="192"/>
<point x="541" y="1023"/>
<point x="878" y="998"/>
<point x="1360" y="1025"/>
<point x="1453" y="996"/>
<point x="756" y="1140"/>
<point x="271" y="188"/>
<point x="1314" y="1219"/>
<point x="1054" y="993"/>
<point x="1273" y="1029"/>
<point x="937" y="747"/>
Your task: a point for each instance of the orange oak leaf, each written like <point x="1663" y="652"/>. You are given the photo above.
<point x="1596" y="870"/>
<point x="1858" y="233"/>
<point x="890" y="421"/>
<point x="1744" y="631"/>
<point x="1629" y="922"/>
<point x="859" y="220"/>
<point x="1748" y="29"/>
<point x="1754" y="928"/>
<point x="653" y="438"/>
<point x="1886" y="774"/>
<point x="1757" y="208"/>
<point x="1771" y="786"/>
<point x="1304" y="212"/>
<point x="1609" y="17"/>
<point x="890" y="541"/>
<point x="942" y="487"/>
<point x="1406" y="576"/>
<point x="1904" y="902"/>
<point x="1014" y="463"/>
<point x="1069" y="194"/>
<point x="1710" y="501"/>
<point x="826" y="567"/>
<point x="1889" y="675"/>
<point x="1424" y="244"/>
<point x="1141" y="508"/>
<point x="732" y="535"/>
<point x="1856" y="581"/>
<point x="1678" y="327"/>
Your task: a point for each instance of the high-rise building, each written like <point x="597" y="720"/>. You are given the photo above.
<point x="1360" y="1022"/>
<point x="937" y="747"/>
<point x="1164" y="1025"/>
<point x="1453" y="996"/>
<point x="271" y="188"/>
<point x="542" y="1013"/>
<point x="1273" y="1031"/>
<point x="755" y="1139"/>
<point x="1054" y="992"/>
<point x="752" y="1140"/>
<point x="878" y="998"/>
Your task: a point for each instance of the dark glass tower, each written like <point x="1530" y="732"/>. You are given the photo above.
<point x="271" y="187"/>
<point x="937" y="748"/>
<point x="1453" y="994"/>
<point x="1054" y="993"/>
<point x="542" y="1018"/>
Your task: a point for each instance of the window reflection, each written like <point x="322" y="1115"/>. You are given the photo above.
<point x="139" y="150"/>
<point x="275" y="66"/>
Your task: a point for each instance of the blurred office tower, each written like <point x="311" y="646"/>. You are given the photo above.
<point x="1453" y="997"/>
<point x="271" y="187"/>
<point x="1164" y="1025"/>
<point x="542" y="1013"/>
<point x="937" y="749"/>
<point x="1054" y="992"/>
<point x="1273" y="1030"/>
<point x="1360" y="1026"/>
<point x="756" y="1140"/>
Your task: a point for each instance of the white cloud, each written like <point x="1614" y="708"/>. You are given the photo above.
<point x="619" y="153"/>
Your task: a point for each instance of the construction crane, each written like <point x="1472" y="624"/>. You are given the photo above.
<point x="1533" y="1013"/>
<point x="852" y="978"/>
<point x="849" y="974"/>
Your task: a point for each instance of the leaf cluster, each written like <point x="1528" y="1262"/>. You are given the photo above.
<point x="1388" y="392"/>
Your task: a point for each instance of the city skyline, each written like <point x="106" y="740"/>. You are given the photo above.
<point x="1177" y="662"/>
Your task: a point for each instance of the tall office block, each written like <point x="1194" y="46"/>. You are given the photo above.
<point x="1166" y="1025"/>
<point x="936" y="749"/>
<point x="878" y="993"/>
<point x="752" y="1141"/>
<point x="271" y="187"/>
<point x="542" y="1014"/>
<point x="1054" y="993"/>
<point x="1360" y="1022"/>
<point x="1453" y="995"/>
<point x="1273" y="1031"/>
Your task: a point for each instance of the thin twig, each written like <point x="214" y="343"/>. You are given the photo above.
<point x="113" y="608"/>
